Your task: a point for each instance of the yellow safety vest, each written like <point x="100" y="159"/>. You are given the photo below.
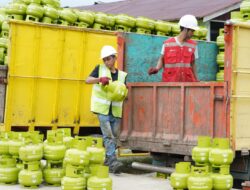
<point x="99" y="101"/>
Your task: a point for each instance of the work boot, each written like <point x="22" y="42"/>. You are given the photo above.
<point x="116" y="167"/>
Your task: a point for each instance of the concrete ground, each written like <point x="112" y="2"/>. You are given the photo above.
<point x="120" y="182"/>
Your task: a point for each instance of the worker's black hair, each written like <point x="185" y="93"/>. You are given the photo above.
<point x="182" y="28"/>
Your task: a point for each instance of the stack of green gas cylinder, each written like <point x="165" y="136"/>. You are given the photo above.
<point x="83" y="165"/>
<point x="220" y="57"/>
<point x="236" y="16"/>
<point x="211" y="169"/>
<point x="50" y="12"/>
<point x="8" y="169"/>
<point x="4" y="29"/>
<point x="244" y="14"/>
<point x="72" y="163"/>
<point x="31" y="153"/>
<point x="20" y="155"/>
<point x="54" y="151"/>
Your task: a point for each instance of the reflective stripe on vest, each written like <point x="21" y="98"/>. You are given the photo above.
<point x="99" y="102"/>
<point x="102" y="101"/>
<point x="173" y="44"/>
<point x="176" y="65"/>
<point x="117" y="104"/>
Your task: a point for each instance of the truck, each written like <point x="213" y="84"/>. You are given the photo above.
<point x="167" y="118"/>
<point x="48" y="65"/>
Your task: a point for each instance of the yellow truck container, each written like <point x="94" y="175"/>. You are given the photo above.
<point x="47" y="68"/>
<point x="237" y="73"/>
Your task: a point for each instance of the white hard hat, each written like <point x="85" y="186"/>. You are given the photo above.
<point x="107" y="51"/>
<point x="189" y="21"/>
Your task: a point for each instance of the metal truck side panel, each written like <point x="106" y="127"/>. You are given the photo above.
<point x="143" y="51"/>
<point x="168" y="117"/>
<point x="47" y="69"/>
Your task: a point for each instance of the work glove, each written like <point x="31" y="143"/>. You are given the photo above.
<point x="152" y="70"/>
<point x="104" y="80"/>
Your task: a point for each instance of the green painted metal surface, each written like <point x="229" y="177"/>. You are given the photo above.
<point x="143" y="51"/>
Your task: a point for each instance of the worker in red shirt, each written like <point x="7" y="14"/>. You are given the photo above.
<point x="178" y="54"/>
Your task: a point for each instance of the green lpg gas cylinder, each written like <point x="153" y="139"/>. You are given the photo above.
<point x="78" y="154"/>
<point x="222" y="179"/>
<point x="4" y="143"/>
<point x="200" y="179"/>
<point x="31" y="152"/>
<point x="203" y="32"/>
<point x="196" y="35"/>
<point x="87" y="17"/>
<point x="53" y="173"/>
<point x="222" y="154"/>
<point x="175" y="29"/>
<point x="236" y="16"/>
<point x="125" y="20"/>
<point x="31" y="175"/>
<point x="34" y="11"/>
<point x="245" y="6"/>
<point x="16" y="8"/>
<point x="200" y="153"/>
<point x="30" y="178"/>
<point x="6" y="161"/>
<point x="54" y="151"/>
<point x="111" y="21"/>
<point x="96" y="150"/>
<point x="52" y="3"/>
<point x="143" y="22"/>
<point x="76" y="157"/>
<point x="101" y="180"/>
<point x="101" y="18"/>
<point x="178" y="179"/>
<point x="116" y="91"/>
<point x="8" y="170"/>
<point x="220" y="59"/>
<point x="220" y="76"/>
<point x="50" y="14"/>
<point x="163" y="27"/>
<point x="5" y="29"/>
<point x="9" y="175"/>
<point x="68" y="15"/>
<point x="220" y="39"/>
<point x="17" y="140"/>
<point x="4" y="43"/>
<point x="71" y="183"/>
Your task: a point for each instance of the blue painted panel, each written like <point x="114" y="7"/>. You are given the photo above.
<point x="143" y="51"/>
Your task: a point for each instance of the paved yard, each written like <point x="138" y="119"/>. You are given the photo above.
<point x="120" y="182"/>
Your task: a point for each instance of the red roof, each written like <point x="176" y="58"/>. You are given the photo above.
<point x="163" y="9"/>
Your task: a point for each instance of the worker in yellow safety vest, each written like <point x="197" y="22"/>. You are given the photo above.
<point x="109" y="112"/>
